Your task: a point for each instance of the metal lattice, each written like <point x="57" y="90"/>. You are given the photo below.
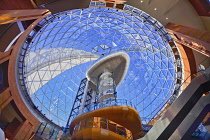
<point x="77" y="102"/>
<point x="55" y="58"/>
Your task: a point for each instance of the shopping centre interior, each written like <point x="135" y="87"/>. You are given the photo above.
<point x="105" y="69"/>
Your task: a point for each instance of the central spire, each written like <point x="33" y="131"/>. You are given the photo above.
<point x="107" y="74"/>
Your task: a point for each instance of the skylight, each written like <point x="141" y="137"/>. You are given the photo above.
<point x="68" y="43"/>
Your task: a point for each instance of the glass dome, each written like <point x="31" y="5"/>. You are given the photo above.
<point x="62" y="47"/>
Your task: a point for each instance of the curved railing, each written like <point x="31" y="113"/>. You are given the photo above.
<point x="100" y="122"/>
<point x="48" y="131"/>
<point x="107" y="103"/>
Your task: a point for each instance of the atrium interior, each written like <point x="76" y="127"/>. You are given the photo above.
<point x="101" y="69"/>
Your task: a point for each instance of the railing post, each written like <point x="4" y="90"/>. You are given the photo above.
<point x="44" y="128"/>
<point x="107" y="123"/>
<point x="85" y="122"/>
<point x="52" y="133"/>
<point x="116" y="129"/>
<point x="38" y="128"/>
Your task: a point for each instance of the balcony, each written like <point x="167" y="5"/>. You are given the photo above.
<point x="103" y="124"/>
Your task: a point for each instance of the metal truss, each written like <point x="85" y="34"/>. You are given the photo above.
<point x="88" y="98"/>
<point x="59" y="39"/>
<point x="76" y="104"/>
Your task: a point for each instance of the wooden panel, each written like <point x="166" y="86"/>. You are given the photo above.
<point x="199" y="36"/>
<point x="5" y="98"/>
<point x="23" y="132"/>
<point x="9" y="16"/>
<point x="12" y="128"/>
<point x="64" y="5"/>
<point x="9" y="113"/>
<point x="201" y="6"/>
<point x="15" y="4"/>
<point x="12" y="77"/>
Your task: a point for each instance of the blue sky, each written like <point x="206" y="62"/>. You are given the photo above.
<point x="151" y="75"/>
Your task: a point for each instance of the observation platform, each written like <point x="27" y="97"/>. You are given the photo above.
<point x="116" y="63"/>
<point x="123" y="116"/>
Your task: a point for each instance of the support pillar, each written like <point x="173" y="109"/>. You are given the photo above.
<point x="84" y="97"/>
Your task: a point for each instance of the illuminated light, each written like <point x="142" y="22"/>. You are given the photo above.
<point x="141" y="1"/>
<point x="167" y="18"/>
<point x="155" y="9"/>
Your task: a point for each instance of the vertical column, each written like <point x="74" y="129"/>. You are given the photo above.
<point x="84" y="98"/>
<point x="93" y="97"/>
<point x="106" y="86"/>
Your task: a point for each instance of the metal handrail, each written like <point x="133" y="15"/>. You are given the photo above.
<point x="100" y="122"/>
<point x="47" y="130"/>
<point x="108" y="103"/>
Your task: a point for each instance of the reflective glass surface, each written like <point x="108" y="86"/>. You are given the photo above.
<point x="68" y="43"/>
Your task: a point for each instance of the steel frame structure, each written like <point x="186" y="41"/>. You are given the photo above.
<point x="77" y="102"/>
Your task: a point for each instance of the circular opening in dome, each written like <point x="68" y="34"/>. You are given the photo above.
<point x="57" y="56"/>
